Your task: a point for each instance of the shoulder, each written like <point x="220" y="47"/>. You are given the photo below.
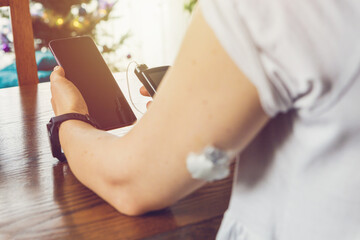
<point x="301" y="47"/>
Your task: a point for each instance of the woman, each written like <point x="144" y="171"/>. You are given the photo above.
<point x="292" y="67"/>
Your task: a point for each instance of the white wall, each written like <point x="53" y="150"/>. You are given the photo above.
<point x="157" y="28"/>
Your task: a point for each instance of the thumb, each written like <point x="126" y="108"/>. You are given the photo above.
<point x="59" y="71"/>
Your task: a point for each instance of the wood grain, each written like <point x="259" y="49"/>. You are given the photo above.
<point x="4" y="3"/>
<point x="202" y="230"/>
<point x="41" y="199"/>
<point x="23" y="42"/>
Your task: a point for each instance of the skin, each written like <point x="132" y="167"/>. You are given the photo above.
<point x="203" y="100"/>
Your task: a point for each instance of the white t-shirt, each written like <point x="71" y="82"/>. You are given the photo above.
<point x="300" y="178"/>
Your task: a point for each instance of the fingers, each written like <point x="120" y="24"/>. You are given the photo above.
<point x="144" y="92"/>
<point x="58" y="72"/>
<point x="58" y="80"/>
<point x="148" y="104"/>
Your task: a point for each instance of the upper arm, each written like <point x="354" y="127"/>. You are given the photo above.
<point x="204" y="99"/>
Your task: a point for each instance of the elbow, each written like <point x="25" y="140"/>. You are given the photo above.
<point x="132" y="197"/>
<point x="132" y="209"/>
<point x="135" y="208"/>
<point x="133" y="204"/>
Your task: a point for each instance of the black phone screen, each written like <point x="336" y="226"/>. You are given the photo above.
<point x="156" y="77"/>
<point x="85" y="67"/>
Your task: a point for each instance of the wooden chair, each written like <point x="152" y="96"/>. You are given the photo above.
<point x="23" y="40"/>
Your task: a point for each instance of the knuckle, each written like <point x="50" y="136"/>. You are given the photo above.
<point x="55" y="77"/>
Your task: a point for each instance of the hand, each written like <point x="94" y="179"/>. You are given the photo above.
<point x="145" y="93"/>
<point x="66" y="98"/>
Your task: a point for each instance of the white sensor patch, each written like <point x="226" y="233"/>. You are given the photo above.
<point x="210" y="165"/>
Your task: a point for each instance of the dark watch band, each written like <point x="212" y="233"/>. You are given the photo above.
<point x="53" y="131"/>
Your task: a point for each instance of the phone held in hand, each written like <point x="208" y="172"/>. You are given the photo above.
<point x="85" y="67"/>
<point x="150" y="77"/>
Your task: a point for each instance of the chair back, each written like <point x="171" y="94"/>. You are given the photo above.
<point x="23" y="40"/>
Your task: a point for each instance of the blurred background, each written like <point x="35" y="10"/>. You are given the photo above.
<point x="148" y="31"/>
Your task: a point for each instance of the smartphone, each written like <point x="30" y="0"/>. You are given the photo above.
<point x="150" y="78"/>
<point x="85" y="67"/>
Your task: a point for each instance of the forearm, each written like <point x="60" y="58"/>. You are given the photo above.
<point x="126" y="172"/>
<point x="91" y="154"/>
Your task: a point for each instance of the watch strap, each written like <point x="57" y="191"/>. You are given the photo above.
<point x="53" y="130"/>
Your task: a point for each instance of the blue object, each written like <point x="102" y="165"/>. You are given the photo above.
<point x="45" y="64"/>
<point x="45" y="61"/>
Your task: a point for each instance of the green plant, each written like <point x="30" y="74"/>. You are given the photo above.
<point x="189" y="6"/>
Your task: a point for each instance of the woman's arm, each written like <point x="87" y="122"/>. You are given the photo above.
<point x="203" y="100"/>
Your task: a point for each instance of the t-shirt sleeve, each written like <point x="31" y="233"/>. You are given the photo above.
<point x="258" y="38"/>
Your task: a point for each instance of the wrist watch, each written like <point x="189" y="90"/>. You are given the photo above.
<point x="53" y="131"/>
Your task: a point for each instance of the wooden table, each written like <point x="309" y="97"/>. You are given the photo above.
<point x="41" y="199"/>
